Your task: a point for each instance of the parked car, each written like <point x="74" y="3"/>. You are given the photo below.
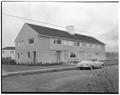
<point x="90" y="64"/>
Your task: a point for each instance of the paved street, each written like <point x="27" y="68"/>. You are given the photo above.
<point x="65" y="81"/>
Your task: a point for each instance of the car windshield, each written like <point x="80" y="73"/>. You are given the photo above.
<point x="94" y="60"/>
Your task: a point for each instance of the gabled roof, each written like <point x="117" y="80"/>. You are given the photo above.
<point x="8" y="48"/>
<point x="59" y="33"/>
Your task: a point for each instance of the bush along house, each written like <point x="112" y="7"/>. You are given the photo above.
<point x="35" y="44"/>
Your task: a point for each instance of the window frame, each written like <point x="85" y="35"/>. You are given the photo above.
<point x="57" y="41"/>
<point x="76" y="43"/>
<point x="75" y="54"/>
<point x="29" y="41"/>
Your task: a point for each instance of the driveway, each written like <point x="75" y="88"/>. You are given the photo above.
<point x="97" y="80"/>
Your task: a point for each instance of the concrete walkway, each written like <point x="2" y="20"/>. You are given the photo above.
<point x="5" y="73"/>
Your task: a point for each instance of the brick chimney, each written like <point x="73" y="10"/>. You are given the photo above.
<point x="70" y="29"/>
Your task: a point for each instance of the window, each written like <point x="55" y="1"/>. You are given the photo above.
<point x="73" y="55"/>
<point x="76" y="43"/>
<point x="57" y="41"/>
<point x="28" y="54"/>
<point x="96" y="53"/>
<point x="31" y="41"/>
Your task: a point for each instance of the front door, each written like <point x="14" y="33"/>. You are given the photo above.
<point x="34" y="57"/>
<point x="58" y="56"/>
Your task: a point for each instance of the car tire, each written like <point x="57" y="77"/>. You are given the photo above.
<point x="91" y="68"/>
<point x="80" y="68"/>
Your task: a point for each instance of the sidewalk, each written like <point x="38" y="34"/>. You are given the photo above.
<point x="5" y="73"/>
<point x="15" y="68"/>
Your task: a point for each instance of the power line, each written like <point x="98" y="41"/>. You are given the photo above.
<point x="36" y="21"/>
<point x="32" y="20"/>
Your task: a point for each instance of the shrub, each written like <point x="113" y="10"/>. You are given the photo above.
<point x="49" y="64"/>
<point x="8" y="61"/>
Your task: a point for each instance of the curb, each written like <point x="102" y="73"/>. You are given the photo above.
<point x="38" y="71"/>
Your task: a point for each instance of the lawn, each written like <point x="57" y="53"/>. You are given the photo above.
<point x="13" y="68"/>
<point x="111" y="62"/>
<point x="65" y="81"/>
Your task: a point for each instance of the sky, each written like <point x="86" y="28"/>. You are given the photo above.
<point x="99" y="20"/>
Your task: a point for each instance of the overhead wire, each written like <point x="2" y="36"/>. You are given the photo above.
<point x="36" y="21"/>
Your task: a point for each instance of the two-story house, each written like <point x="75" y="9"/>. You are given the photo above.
<point x="8" y="52"/>
<point x="36" y="44"/>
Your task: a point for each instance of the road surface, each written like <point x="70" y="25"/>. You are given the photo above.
<point x="97" y="80"/>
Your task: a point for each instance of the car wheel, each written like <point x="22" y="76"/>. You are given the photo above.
<point x="91" y="68"/>
<point x="80" y="68"/>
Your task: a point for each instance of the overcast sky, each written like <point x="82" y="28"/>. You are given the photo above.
<point x="99" y="20"/>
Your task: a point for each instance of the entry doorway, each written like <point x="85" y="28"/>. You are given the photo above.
<point x="58" y="56"/>
<point x="34" y="57"/>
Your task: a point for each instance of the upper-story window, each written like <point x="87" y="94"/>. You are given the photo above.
<point x="31" y="41"/>
<point x="76" y="43"/>
<point x="57" y="41"/>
